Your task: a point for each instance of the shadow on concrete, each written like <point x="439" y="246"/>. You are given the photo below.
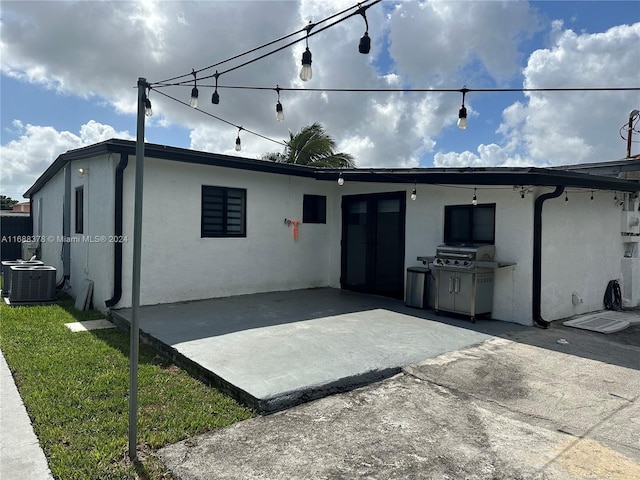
<point x="274" y="350"/>
<point x="186" y="321"/>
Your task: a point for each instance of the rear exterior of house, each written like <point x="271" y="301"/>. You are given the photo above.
<point x="217" y="226"/>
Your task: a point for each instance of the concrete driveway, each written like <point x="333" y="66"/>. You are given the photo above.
<point x="515" y="406"/>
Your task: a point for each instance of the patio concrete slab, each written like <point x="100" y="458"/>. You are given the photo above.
<point x="517" y="407"/>
<point x="275" y="350"/>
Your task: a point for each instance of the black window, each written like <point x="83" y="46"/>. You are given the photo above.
<point x="223" y="212"/>
<point x="469" y="223"/>
<point x="80" y="210"/>
<point x="314" y="209"/>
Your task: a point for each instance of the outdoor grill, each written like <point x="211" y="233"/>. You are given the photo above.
<point x="464" y="278"/>
<point x="465" y="256"/>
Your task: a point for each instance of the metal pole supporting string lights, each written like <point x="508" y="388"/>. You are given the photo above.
<point x="144" y="106"/>
<point x="634" y="115"/>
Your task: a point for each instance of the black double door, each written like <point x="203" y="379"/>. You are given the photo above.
<point x="373" y="243"/>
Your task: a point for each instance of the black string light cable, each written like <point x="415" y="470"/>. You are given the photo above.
<point x="306" y="29"/>
<point x="281" y="143"/>
<point x="361" y="10"/>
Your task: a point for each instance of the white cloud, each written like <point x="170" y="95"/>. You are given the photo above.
<point x="25" y="159"/>
<point x="559" y="128"/>
<point x="433" y="41"/>
<point x="98" y="50"/>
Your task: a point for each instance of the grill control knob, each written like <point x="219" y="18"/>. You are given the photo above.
<point x="447" y="261"/>
<point x="455" y="262"/>
<point x="466" y="263"/>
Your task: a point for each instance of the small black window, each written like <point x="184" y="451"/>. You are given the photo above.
<point x="80" y="210"/>
<point x="223" y="212"/>
<point x="314" y="209"/>
<point x="469" y="224"/>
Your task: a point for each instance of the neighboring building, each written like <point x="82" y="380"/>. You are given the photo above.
<point x="216" y="225"/>
<point x="23" y="207"/>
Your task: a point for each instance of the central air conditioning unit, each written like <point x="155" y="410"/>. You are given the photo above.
<point x="6" y="272"/>
<point x="32" y="284"/>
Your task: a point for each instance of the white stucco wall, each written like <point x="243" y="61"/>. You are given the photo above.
<point x="425" y="231"/>
<point x="582" y="251"/>
<point x="90" y="252"/>
<point x="179" y="265"/>
<point x="47" y="206"/>
<point x="582" y="245"/>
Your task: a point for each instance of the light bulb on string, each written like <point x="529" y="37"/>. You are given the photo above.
<point x="414" y="192"/>
<point x="279" y="110"/>
<point x="305" y="71"/>
<point x="194" y="92"/>
<point x="364" y="46"/>
<point x="340" y="179"/>
<point x="462" y="113"/>
<point x="215" y="97"/>
<point x="474" y="200"/>
<point x="147" y="104"/>
<point x="238" y="142"/>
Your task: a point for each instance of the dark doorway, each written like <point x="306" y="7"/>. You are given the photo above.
<point x="373" y="228"/>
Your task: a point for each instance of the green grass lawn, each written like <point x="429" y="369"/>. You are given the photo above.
<point x="75" y="387"/>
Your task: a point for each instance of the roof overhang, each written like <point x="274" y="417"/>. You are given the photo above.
<point x="573" y="176"/>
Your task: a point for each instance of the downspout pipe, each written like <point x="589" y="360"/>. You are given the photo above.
<point x="537" y="255"/>
<point x="117" y="246"/>
<point x="66" y="224"/>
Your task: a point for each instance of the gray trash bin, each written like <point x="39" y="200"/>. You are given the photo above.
<point x="417" y="293"/>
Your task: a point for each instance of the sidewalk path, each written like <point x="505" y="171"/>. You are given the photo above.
<point x="20" y="452"/>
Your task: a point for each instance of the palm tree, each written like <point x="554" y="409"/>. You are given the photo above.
<point x="314" y="147"/>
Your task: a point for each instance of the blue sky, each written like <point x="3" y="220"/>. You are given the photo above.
<point x="69" y="71"/>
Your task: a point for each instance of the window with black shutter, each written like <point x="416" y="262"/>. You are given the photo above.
<point x="223" y="212"/>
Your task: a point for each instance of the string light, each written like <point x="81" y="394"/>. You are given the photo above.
<point x="474" y="200"/>
<point x="238" y="143"/>
<point x="305" y="71"/>
<point x="592" y="195"/>
<point x="365" y="41"/>
<point x="279" y="111"/>
<point x="194" y="92"/>
<point x="566" y="197"/>
<point x="147" y="104"/>
<point x="215" y="98"/>
<point x="414" y="194"/>
<point x="340" y="179"/>
<point x="462" y="114"/>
